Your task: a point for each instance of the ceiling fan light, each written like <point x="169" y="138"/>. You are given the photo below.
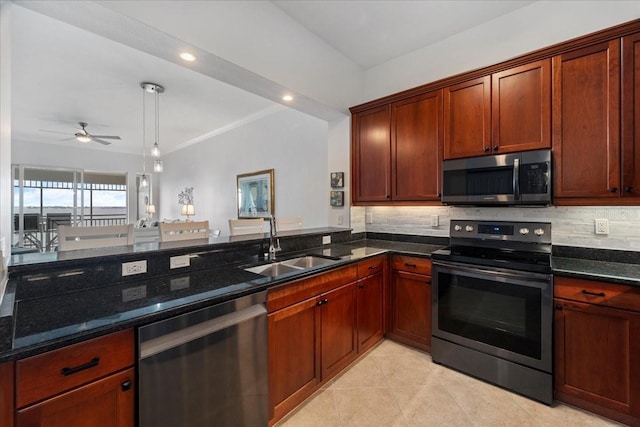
<point x="157" y="166"/>
<point x="83" y="138"/>
<point x="155" y="150"/>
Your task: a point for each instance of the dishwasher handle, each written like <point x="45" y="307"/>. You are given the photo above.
<point x="175" y="339"/>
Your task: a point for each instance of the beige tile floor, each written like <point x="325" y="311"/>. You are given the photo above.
<point x="397" y="386"/>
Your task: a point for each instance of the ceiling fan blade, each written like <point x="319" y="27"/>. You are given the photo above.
<point x="100" y="141"/>
<point x="53" y="131"/>
<point x="105" y="136"/>
<point x="67" y="139"/>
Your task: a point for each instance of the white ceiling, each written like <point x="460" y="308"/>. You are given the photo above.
<point x="62" y="74"/>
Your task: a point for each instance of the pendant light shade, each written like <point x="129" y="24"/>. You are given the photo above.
<point x="156" y="90"/>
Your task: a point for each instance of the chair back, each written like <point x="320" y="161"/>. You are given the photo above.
<point x="172" y="231"/>
<point x="289" y="223"/>
<point x="246" y="226"/>
<point x="71" y="238"/>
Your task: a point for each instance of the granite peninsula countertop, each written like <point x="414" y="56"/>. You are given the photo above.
<point x="606" y="271"/>
<point x="33" y="323"/>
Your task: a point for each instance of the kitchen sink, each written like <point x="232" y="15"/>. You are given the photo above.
<point x="274" y="269"/>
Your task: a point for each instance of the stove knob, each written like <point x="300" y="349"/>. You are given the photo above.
<point x="457" y="228"/>
<point x="524" y="231"/>
<point x="538" y="231"/>
<point x="469" y="228"/>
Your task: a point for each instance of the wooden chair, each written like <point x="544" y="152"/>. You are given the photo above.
<point x="71" y="238"/>
<point x="246" y="226"/>
<point x="172" y="231"/>
<point x="288" y="223"/>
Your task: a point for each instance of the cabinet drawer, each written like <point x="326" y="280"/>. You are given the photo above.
<point x="412" y="264"/>
<point x="50" y="373"/>
<point x="370" y="266"/>
<point x="593" y="292"/>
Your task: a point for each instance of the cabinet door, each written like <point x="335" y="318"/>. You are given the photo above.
<point x="294" y="368"/>
<point x="338" y="336"/>
<point x="586" y="122"/>
<point x="631" y="115"/>
<point x="416" y="145"/>
<point x="410" y="311"/>
<point x="467" y="118"/>
<point x="106" y="402"/>
<point x="521" y="108"/>
<point x="597" y="356"/>
<point x="371" y="155"/>
<point x="7" y="397"/>
<point x="370" y="319"/>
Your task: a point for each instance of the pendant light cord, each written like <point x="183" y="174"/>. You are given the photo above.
<point x="144" y="158"/>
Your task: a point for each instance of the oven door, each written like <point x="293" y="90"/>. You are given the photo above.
<point x="504" y="313"/>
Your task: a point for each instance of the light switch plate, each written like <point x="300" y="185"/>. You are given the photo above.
<point x="368" y="218"/>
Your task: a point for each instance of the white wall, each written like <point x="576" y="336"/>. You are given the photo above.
<point x="541" y="24"/>
<point x="340" y="161"/>
<point x="35" y="154"/>
<point x="294" y="144"/>
<point x="5" y="139"/>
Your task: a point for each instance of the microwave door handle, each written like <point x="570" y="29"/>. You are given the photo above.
<point x="516" y="179"/>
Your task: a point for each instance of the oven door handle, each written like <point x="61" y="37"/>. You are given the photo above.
<point x="516" y="179"/>
<point x="491" y="272"/>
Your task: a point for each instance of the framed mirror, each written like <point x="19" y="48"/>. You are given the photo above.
<point x="256" y="194"/>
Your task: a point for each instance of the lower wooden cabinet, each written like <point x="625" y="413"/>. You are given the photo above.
<point x="7" y="397"/>
<point x="597" y="347"/>
<point x="318" y="326"/>
<point x="410" y="301"/>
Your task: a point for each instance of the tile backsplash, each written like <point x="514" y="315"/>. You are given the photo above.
<point x="571" y="225"/>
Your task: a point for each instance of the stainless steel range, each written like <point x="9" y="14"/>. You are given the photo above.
<point x="492" y="304"/>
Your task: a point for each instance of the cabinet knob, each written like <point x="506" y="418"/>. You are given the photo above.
<point x="125" y="385"/>
<point x="495" y="148"/>
<point x="428" y="282"/>
<point x="485" y="149"/>
<point x="558" y="307"/>
<point x="361" y="286"/>
<point x="614" y="190"/>
<point x="628" y="189"/>
<point x="387" y="196"/>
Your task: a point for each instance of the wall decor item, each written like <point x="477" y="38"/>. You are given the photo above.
<point x="337" y="198"/>
<point x="337" y="179"/>
<point x="256" y="194"/>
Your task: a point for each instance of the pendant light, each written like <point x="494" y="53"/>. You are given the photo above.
<point x="144" y="181"/>
<point x="155" y="150"/>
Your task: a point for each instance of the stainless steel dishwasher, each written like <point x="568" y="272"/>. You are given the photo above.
<point x="206" y="368"/>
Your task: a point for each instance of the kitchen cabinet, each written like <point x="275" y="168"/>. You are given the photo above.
<point x="85" y="384"/>
<point x="586" y="122"/>
<point x="631" y="117"/>
<point x="597" y="347"/>
<point x="505" y="112"/>
<point x="410" y="301"/>
<point x="312" y="335"/>
<point x="397" y="150"/>
<point x="371" y="155"/>
<point x="370" y="302"/>
<point x="7" y="396"/>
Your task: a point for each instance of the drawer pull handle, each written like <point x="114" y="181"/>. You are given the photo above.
<point x="595" y="294"/>
<point x="407" y="264"/>
<point x="90" y="364"/>
<point x="126" y="385"/>
<point x="373" y="267"/>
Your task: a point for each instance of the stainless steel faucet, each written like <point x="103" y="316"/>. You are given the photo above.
<point x="273" y="246"/>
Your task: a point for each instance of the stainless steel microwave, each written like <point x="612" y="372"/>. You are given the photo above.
<point x="504" y="179"/>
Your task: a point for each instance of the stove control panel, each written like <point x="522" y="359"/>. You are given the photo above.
<point x="532" y="232"/>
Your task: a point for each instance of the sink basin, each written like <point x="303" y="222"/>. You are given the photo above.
<point x="289" y="266"/>
<point x="308" y="261"/>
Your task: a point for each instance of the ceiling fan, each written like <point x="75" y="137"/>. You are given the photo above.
<point x="84" y="136"/>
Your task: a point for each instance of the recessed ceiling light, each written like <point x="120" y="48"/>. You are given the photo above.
<point x="287" y="98"/>
<point x="187" y="56"/>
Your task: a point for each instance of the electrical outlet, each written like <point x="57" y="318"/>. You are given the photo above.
<point x="368" y="218"/>
<point x="134" y="267"/>
<point x="340" y="219"/>
<point x="179" y="261"/>
<point x="131" y="294"/>
<point x="179" y="283"/>
<point x="602" y="226"/>
<point x="326" y="240"/>
<point x="435" y="220"/>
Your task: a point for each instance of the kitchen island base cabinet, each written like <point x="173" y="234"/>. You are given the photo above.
<point x="410" y="302"/>
<point x="597" y="348"/>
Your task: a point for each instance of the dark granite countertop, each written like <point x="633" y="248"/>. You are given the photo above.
<point x="38" y="323"/>
<point x="607" y="271"/>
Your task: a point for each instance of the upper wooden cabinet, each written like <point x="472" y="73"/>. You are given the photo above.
<point x="506" y="112"/>
<point x="586" y="122"/>
<point x="397" y="150"/>
<point x="371" y="156"/>
<point x="631" y="116"/>
<point x="416" y="147"/>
